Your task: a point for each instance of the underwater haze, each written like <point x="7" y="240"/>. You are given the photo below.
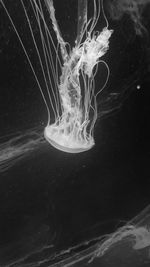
<point x="74" y="133"/>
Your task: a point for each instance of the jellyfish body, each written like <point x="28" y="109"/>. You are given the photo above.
<point x="72" y="131"/>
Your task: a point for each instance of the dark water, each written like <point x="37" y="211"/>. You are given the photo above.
<point x="51" y="201"/>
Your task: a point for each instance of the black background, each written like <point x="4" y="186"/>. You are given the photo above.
<point x="59" y="198"/>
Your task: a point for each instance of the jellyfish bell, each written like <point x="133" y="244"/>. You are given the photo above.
<point x="70" y="97"/>
<point x="71" y="141"/>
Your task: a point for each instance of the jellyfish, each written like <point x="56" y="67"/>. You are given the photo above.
<point x="72" y="131"/>
<point x="69" y="80"/>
